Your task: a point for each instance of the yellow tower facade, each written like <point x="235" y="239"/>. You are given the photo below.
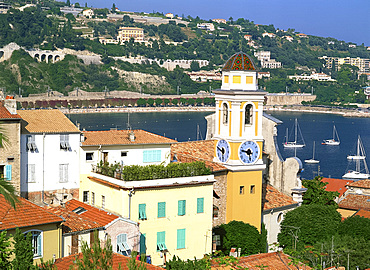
<point x="238" y="138"/>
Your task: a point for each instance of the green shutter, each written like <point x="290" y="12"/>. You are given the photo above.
<point x="142" y="211"/>
<point x="161" y="209"/>
<point x="8" y="172"/>
<point x="200" y="205"/>
<point x="161" y="241"/>
<point x="180" y="238"/>
<point x="181" y="208"/>
<point x="143" y="243"/>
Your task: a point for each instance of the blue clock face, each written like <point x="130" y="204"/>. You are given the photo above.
<point x="249" y="152"/>
<point x="223" y="150"/>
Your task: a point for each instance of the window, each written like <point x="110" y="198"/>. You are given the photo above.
<point x="217" y="240"/>
<point x="161" y="209"/>
<point x="79" y="210"/>
<point x="225" y="114"/>
<point x="249" y="80"/>
<point x="180" y="238"/>
<point x="152" y="156"/>
<point x="226" y="79"/>
<point x="63" y="173"/>
<point x="248" y="114"/>
<point x="143" y="243"/>
<point x="279" y="217"/>
<point x="161" y="241"/>
<point x="105" y="156"/>
<point x="122" y="245"/>
<point x="200" y="205"/>
<point x="85" y="197"/>
<point x="181" y="208"/>
<point x="253" y="189"/>
<point x="64" y="142"/>
<point x="8" y="172"/>
<point x="90" y="156"/>
<point x="31" y="173"/>
<point x="237" y="79"/>
<point x="215" y="211"/>
<point x="241" y="190"/>
<point x="123" y="153"/>
<point x="142" y="211"/>
<point x="31" y="145"/>
<point x="92" y="198"/>
<point x="102" y="201"/>
<point x="36" y="242"/>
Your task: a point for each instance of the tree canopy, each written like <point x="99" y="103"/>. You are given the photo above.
<point x="316" y="192"/>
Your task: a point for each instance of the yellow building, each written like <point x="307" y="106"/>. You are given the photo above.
<point x="44" y="226"/>
<point x="238" y="140"/>
<point x="175" y="214"/>
<point x="126" y="33"/>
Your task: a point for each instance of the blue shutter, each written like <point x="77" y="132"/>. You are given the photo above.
<point x="142" y="211"/>
<point x="180" y="238"/>
<point x="143" y="243"/>
<point x="8" y="172"/>
<point x="181" y="207"/>
<point x="200" y="205"/>
<point x="161" y="209"/>
<point x="161" y="241"/>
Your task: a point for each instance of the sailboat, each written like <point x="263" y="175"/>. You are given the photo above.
<point x="335" y="140"/>
<point x="295" y="143"/>
<point x="312" y="160"/>
<point x="358" y="159"/>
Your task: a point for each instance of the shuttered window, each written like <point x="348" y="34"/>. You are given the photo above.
<point x="200" y="205"/>
<point x="161" y="241"/>
<point x="31" y="173"/>
<point x="151" y="155"/>
<point x="122" y="245"/>
<point x="8" y="172"/>
<point x="143" y="243"/>
<point x="161" y="209"/>
<point x="180" y="238"/>
<point x="63" y="173"/>
<point x="142" y="211"/>
<point x="181" y="207"/>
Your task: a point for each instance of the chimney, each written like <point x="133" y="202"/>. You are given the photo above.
<point x="131" y="136"/>
<point x="10" y="104"/>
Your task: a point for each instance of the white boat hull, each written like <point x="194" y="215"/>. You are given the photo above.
<point x="356" y="175"/>
<point x="312" y="161"/>
<point x="330" y="142"/>
<point x="293" y="145"/>
<point x="356" y="157"/>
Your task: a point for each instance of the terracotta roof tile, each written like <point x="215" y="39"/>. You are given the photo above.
<point x="355" y="202"/>
<point x="361" y="184"/>
<point x="273" y="261"/>
<point x="118" y="259"/>
<point x="5" y="114"/>
<point x="363" y="213"/>
<point x="47" y="121"/>
<point x="100" y="216"/>
<point x="273" y="198"/>
<point x="338" y="185"/>
<point x="26" y="214"/>
<point x="196" y="151"/>
<point x="74" y="222"/>
<point x="121" y="137"/>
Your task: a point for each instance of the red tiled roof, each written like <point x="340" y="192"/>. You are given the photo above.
<point x="74" y="222"/>
<point x="121" y="137"/>
<point x="47" y="121"/>
<point x="363" y="213"/>
<point x="273" y="198"/>
<point x="338" y="185"/>
<point x="118" y="259"/>
<point x="5" y="114"/>
<point x="355" y="202"/>
<point x="274" y="260"/>
<point x="196" y="151"/>
<point x="26" y="214"/>
<point x="100" y="216"/>
<point x="361" y="184"/>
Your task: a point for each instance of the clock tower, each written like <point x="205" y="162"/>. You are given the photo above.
<point x="238" y="138"/>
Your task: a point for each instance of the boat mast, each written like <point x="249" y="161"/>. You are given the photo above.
<point x="295" y="131"/>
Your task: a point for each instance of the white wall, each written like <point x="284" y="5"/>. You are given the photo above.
<point x="134" y="155"/>
<point x="47" y="159"/>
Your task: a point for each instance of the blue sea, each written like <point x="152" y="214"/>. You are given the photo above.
<point x="189" y="126"/>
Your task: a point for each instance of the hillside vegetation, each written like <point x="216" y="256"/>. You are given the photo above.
<point x="45" y="27"/>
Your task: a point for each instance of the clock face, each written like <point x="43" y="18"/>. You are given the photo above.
<point x="249" y="152"/>
<point x="223" y="150"/>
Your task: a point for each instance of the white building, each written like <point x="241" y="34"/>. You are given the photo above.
<point x="50" y="146"/>
<point x="127" y="147"/>
<point x="270" y="35"/>
<point x="206" y="26"/>
<point x="88" y="13"/>
<point x="265" y="59"/>
<point x="313" y="76"/>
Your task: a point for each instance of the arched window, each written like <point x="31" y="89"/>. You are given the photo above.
<point x="36" y="239"/>
<point x="248" y="116"/>
<point x="225" y="114"/>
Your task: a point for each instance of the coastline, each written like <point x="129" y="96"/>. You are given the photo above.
<point x="270" y="108"/>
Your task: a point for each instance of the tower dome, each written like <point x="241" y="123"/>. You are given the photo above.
<point x="238" y="62"/>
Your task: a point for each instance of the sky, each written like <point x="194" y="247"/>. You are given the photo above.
<point x="347" y="20"/>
